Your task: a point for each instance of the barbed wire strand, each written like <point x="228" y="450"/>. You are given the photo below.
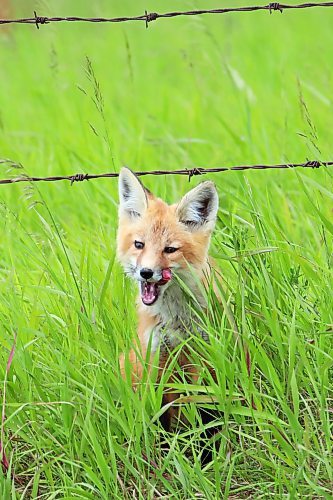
<point x="190" y="172"/>
<point x="148" y="17"/>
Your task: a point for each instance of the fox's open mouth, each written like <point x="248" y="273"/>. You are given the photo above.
<point x="150" y="291"/>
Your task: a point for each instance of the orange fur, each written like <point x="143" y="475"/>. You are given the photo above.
<point x="137" y="355"/>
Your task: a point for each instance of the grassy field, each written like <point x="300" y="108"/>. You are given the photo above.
<point x="205" y="91"/>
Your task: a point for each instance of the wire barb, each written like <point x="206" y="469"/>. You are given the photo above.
<point x="79" y="178"/>
<point x="313" y="164"/>
<point x="40" y="20"/>
<point x="195" y="171"/>
<point x="275" y="6"/>
<point x="151" y="16"/>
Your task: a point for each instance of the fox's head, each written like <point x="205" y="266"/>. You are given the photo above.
<point x="156" y="240"/>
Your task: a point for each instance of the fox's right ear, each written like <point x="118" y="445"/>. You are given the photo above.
<point x="132" y="195"/>
<point x="198" y="208"/>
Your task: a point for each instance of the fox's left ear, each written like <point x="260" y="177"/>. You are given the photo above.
<point x="132" y="194"/>
<point x="199" y="207"/>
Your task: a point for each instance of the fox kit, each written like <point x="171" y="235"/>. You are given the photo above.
<point x="156" y="243"/>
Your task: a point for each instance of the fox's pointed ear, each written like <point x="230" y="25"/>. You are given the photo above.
<point x="132" y="195"/>
<point x="199" y="207"/>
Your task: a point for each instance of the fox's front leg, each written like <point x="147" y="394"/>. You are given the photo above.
<point x="139" y="359"/>
<point x="135" y="363"/>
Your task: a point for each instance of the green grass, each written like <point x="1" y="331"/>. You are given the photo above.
<point x="205" y="91"/>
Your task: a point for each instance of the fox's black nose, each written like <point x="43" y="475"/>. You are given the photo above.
<point x="146" y="273"/>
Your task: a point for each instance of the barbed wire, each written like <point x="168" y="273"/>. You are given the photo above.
<point x="148" y="17"/>
<point x="190" y="172"/>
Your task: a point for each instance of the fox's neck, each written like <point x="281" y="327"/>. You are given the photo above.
<point x="170" y="319"/>
<point x="174" y="305"/>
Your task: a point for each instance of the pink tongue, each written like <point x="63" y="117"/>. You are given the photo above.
<point x="166" y="274"/>
<point x="149" y="293"/>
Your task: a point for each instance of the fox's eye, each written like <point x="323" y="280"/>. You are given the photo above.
<point x="170" y="249"/>
<point x="139" y="245"/>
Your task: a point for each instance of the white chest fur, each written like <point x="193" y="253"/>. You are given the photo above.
<point x="173" y="311"/>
